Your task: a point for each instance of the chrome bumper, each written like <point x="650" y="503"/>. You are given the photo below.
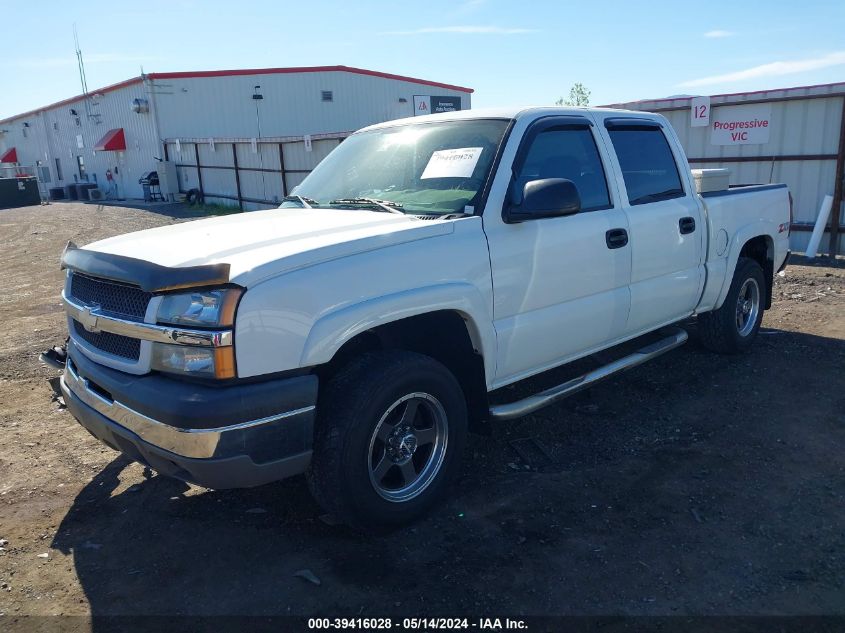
<point x="220" y="442"/>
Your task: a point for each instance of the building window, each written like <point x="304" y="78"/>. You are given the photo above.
<point x="327" y="95"/>
<point x="59" y="170"/>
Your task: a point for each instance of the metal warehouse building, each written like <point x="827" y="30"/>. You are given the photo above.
<point x="242" y="137"/>
<point x="792" y="135"/>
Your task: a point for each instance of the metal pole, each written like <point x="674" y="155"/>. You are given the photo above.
<point x="282" y="168"/>
<point x="256" y="96"/>
<point x="837" y="188"/>
<point x="237" y="176"/>
<point x="199" y="167"/>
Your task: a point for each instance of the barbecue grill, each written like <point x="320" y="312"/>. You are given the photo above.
<point x="149" y="183"/>
<point x="149" y="178"/>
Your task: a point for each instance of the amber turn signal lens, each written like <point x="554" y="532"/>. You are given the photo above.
<point x="224" y="362"/>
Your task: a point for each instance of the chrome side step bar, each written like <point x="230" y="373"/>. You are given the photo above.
<point x="676" y="338"/>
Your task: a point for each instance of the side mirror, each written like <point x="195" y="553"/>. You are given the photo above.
<point x="545" y="198"/>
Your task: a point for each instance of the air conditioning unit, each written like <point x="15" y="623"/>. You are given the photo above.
<point x="95" y="194"/>
<point x="168" y="181"/>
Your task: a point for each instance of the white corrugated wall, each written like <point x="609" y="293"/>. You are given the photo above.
<point x="52" y="135"/>
<point x="196" y="108"/>
<point x="219" y="107"/>
<point x="292" y="103"/>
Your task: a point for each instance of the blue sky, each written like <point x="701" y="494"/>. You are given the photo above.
<point x="511" y="52"/>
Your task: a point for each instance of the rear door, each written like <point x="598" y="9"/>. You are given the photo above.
<point x="665" y="221"/>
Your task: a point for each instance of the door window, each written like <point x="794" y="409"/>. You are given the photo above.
<point x="648" y="166"/>
<point x="569" y="153"/>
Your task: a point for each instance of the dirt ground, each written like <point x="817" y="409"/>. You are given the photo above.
<point x="697" y="484"/>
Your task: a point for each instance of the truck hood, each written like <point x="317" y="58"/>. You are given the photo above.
<point x="262" y="244"/>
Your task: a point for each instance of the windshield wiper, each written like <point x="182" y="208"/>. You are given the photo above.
<point x="308" y="203"/>
<point x="386" y="205"/>
<point x="661" y="195"/>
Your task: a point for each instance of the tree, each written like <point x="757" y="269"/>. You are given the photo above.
<point x="579" y="95"/>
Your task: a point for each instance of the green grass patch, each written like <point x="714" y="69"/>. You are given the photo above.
<point x="209" y="208"/>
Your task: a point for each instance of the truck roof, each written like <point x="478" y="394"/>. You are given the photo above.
<point x="510" y="112"/>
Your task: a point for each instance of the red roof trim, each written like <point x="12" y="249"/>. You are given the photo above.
<point x="242" y="71"/>
<point x="303" y="69"/>
<point x="728" y="94"/>
<point x="112" y="141"/>
<point x="9" y="156"/>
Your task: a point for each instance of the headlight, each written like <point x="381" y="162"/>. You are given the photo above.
<point x="204" y="362"/>
<point x="202" y="308"/>
<point x="197" y="309"/>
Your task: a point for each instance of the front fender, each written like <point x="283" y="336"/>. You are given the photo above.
<point x="334" y="329"/>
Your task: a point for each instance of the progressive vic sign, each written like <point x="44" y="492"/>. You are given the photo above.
<point x="741" y="125"/>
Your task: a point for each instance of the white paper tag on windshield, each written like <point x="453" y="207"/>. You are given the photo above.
<point x="452" y="163"/>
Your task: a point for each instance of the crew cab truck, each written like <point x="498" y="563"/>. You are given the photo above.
<point x="354" y="333"/>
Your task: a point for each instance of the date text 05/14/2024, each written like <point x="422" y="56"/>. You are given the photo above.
<point x="417" y="624"/>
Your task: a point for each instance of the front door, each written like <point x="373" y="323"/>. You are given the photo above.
<point x="80" y="166"/>
<point x="560" y="285"/>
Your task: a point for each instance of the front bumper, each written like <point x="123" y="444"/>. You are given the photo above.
<point x="218" y="437"/>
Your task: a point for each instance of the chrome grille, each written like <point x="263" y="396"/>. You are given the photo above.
<point x="115" y="344"/>
<point x="121" y="300"/>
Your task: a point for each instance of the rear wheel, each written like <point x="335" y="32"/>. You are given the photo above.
<point x="391" y="428"/>
<point x="733" y="327"/>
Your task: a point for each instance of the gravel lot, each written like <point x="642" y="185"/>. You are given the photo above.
<point x="697" y="484"/>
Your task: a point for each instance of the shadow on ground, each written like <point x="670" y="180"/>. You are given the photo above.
<point x="821" y="261"/>
<point x="697" y="484"/>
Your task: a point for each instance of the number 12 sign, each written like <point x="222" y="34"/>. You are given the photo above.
<point x="700" y="112"/>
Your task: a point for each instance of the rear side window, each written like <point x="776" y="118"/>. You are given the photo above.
<point x="569" y="153"/>
<point x="648" y="166"/>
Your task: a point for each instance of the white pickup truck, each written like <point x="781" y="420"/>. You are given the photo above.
<point x="355" y="333"/>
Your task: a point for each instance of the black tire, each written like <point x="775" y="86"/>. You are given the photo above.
<point x="719" y="330"/>
<point x="350" y="410"/>
<point x="194" y="196"/>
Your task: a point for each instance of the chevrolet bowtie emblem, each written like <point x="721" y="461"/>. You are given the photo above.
<point x="88" y="319"/>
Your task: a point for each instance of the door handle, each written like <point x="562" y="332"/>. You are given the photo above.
<point x="616" y="238"/>
<point x="686" y="225"/>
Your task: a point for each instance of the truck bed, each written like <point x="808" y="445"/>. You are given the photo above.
<point x="733" y="216"/>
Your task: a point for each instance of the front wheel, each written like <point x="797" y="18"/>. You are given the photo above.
<point x="733" y="327"/>
<point x="390" y="431"/>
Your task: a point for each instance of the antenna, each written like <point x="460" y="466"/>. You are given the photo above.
<point x="81" y="65"/>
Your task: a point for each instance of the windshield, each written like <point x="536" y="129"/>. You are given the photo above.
<point x="422" y="168"/>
